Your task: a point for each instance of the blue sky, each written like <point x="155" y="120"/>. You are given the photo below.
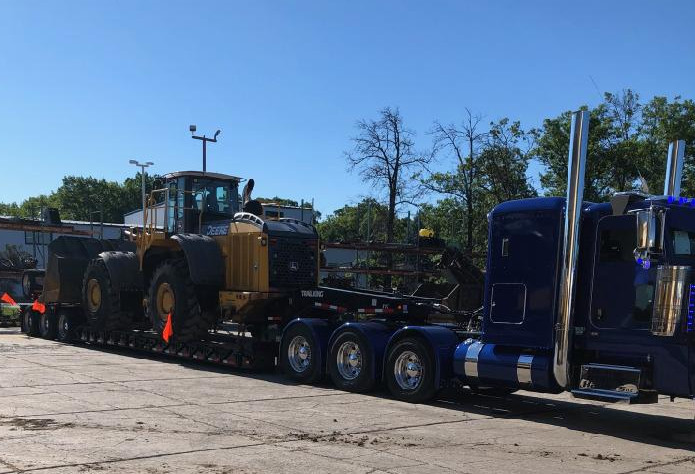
<point x="87" y="85"/>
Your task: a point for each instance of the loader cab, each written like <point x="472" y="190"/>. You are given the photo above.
<point x="196" y="201"/>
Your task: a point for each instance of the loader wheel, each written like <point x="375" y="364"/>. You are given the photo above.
<point x="299" y="353"/>
<point x="410" y="371"/>
<point x="65" y="332"/>
<point x="351" y="362"/>
<point x="100" y="300"/>
<point x="31" y="322"/>
<point x="47" y="325"/>
<point x="172" y="291"/>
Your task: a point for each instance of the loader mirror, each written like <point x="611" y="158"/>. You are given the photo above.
<point x="649" y="235"/>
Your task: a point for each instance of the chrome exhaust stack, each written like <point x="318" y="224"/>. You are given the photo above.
<point x="674" y="168"/>
<point x="579" y="135"/>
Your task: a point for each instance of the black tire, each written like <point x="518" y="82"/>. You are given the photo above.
<point x="190" y="319"/>
<point x="305" y="370"/>
<point x="351" y="362"/>
<point x="101" y="301"/>
<point x="65" y="331"/>
<point x="47" y="325"/>
<point x="23" y="320"/>
<point x="400" y="382"/>
<point x="31" y="322"/>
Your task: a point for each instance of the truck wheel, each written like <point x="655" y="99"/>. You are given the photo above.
<point x="47" y="325"/>
<point x="31" y="322"/>
<point x="100" y="300"/>
<point x="172" y="291"/>
<point x="298" y="355"/>
<point x="351" y="362"/>
<point x="65" y="332"/>
<point x="410" y="370"/>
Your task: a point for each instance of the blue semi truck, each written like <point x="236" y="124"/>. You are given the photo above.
<point x="596" y="299"/>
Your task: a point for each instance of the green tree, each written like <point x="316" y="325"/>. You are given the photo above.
<point x="384" y="153"/>
<point x="489" y="167"/>
<point x="627" y="146"/>
<point x="663" y="122"/>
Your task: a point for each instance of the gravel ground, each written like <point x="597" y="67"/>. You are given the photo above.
<point x="74" y="409"/>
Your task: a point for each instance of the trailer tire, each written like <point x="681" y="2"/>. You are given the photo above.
<point x="100" y="300"/>
<point x="298" y="354"/>
<point x="47" y="325"/>
<point x="65" y="332"/>
<point x="172" y="292"/>
<point x="351" y="362"/>
<point x="31" y="322"/>
<point x="409" y="371"/>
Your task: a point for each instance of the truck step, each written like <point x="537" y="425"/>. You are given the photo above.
<point x="611" y="383"/>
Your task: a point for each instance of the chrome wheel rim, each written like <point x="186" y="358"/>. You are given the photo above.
<point x="349" y="360"/>
<point x="299" y="354"/>
<point x="408" y="370"/>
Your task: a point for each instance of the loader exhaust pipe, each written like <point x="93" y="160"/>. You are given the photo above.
<point x="674" y="168"/>
<point x="579" y="133"/>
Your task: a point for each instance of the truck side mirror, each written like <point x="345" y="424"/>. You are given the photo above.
<point x="649" y="235"/>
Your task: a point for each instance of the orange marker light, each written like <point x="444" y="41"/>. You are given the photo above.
<point x="38" y="306"/>
<point x="168" y="330"/>
<point x="8" y="299"/>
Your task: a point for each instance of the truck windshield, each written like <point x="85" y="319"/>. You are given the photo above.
<point x="683" y="242"/>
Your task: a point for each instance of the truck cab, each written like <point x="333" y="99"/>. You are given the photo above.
<point x="635" y="293"/>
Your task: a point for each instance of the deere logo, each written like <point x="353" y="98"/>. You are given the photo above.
<point x="293" y="266"/>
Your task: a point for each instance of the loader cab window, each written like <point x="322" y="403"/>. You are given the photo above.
<point x="214" y="197"/>
<point x="194" y="200"/>
<point x="623" y="291"/>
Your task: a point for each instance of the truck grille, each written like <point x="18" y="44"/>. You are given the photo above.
<point x="292" y="262"/>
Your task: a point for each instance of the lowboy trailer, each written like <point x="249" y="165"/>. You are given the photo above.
<point x="593" y="298"/>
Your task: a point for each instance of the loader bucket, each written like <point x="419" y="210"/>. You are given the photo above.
<point x="67" y="261"/>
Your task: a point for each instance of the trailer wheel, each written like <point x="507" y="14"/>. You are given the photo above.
<point x="100" y="300"/>
<point x="410" y="370"/>
<point x="351" y="362"/>
<point x="65" y="332"/>
<point x="23" y="320"/>
<point x="172" y="292"/>
<point x="298" y="355"/>
<point x="47" y="325"/>
<point x="31" y="322"/>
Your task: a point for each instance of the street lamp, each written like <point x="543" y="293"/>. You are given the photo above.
<point x="205" y="141"/>
<point x="142" y="175"/>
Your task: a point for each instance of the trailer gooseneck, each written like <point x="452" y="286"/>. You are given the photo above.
<point x="592" y="298"/>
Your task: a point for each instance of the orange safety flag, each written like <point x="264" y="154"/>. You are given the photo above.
<point x="8" y="299"/>
<point x="168" y="331"/>
<point x="38" y="306"/>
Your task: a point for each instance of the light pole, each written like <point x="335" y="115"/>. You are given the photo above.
<point x="142" y="175"/>
<point x="205" y="141"/>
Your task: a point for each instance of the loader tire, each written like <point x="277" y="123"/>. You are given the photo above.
<point x="172" y="292"/>
<point x="101" y="301"/>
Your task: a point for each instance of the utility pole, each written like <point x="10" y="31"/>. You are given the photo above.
<point x="205" y="141"/>
<point x="142" y="175"/>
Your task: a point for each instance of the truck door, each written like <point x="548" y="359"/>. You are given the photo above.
<point x="622" y="291"/>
